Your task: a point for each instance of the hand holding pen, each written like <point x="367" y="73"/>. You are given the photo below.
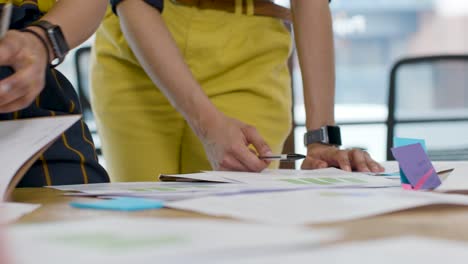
<point x="23" y="58"/>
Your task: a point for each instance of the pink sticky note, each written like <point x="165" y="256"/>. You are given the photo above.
<point x="406" y="186"/>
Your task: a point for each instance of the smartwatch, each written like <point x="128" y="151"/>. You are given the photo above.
<point x="56" y="39"/>
<point x="329" y="135"/>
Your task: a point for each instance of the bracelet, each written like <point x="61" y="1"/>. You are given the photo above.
<point x="43" y="41"/>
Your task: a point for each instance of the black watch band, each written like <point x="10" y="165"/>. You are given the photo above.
<point x="56" y="39"/>
<point x="329" y="135"/>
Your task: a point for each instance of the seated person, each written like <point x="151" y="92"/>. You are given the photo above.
<point x="30" y="86"/>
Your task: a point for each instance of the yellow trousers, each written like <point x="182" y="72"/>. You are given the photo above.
<point x="240" y="62"/>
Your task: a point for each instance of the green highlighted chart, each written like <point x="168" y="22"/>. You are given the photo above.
<point x="171" y="188"/>
<point x="325" y="181"/>
<point x="117" y="242"/>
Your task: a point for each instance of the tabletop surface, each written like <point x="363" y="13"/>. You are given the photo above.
<point x="441" y="221"/>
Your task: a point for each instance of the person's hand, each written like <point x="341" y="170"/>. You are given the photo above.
<point x="226" y="144"/>
<point x="26" y="54"/>
<point x="322" y="156"/>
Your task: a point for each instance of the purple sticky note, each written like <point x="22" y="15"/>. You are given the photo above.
<point x="417" y="167"/>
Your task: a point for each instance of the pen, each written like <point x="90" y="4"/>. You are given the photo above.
<point x="284" y="157"/>
<point x="5" y="18"/>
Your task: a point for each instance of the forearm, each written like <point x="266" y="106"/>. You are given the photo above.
<point x="77" y="19"/>
<point x="314" y="42"/>
<point x="157" y="52"/>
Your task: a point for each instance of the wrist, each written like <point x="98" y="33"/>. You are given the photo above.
<point x="201" y="115"/>
<point x="40" y="40"/>
<point x="314" y="125"/>
<point x="56" y="41"/>
<point x="314" y="146"/>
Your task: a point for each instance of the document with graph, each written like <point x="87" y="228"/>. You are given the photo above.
<point x="323" y="178"/>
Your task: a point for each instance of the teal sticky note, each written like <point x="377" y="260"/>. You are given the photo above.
<point x="400" y="142"/>
<point x="120" y="204"/>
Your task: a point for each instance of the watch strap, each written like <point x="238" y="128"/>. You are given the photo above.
<point x="56" y="40"/>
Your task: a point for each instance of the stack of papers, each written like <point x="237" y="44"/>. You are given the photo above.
<point x="232" y="183"/>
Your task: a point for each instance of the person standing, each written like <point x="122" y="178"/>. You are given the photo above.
<point x="180" y="86"/>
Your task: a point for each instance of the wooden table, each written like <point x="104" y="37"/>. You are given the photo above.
<point x="447" y="222"/>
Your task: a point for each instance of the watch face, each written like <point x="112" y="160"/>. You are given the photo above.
<point x="60" y="44"/>
<point x="326" y="135"/>
<point x="334" y="135"/>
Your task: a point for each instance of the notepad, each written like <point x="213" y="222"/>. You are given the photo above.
<point x="120" y="204"/>
<point x="417" y="167"/>
<point x="400" y="142"/>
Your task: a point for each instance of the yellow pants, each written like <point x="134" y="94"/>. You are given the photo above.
<point x="240" y="62"/>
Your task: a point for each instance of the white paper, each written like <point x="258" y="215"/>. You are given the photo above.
<point x="131" y="240"/>
<point x="315" y="206"/>
<point x="402" y="250"/>
<point x="21" y="139"/>
<point x="168" y="191"/>
<point x="10" y="212"/>
<point x="458" y="178"/>
<point x="393" y="171"/>
<point x="321" y="178"/>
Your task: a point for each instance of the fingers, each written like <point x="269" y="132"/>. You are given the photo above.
<point x="20" y="103"/>
<point x="254" y="138"/>
<point x="21" y="52"/>
<point x="241" y="158"/>
<point x="341" y="159"/>
<point x="359" y="160"/>
<point x="312" y="164"/>
<point x="362" y="161"/>
<point x="373" y="165"/>
<point x="19" y="90"/>
<point x="8" y="50"/>
<point x="250" y="161"/>
<point x="347" y="160"/>
<point x="231" y="164"/>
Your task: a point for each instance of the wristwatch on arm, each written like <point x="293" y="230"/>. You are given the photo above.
<point x="329" y="135"/>
<point x="56" y="39"/>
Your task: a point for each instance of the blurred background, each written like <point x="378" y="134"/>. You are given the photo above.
<point x="370" y="36"/>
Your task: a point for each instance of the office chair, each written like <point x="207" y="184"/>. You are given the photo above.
<point x="428" y="98"/>
<point x="82" y="56"/>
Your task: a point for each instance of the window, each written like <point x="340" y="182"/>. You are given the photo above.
<point x="370" y="35"/>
